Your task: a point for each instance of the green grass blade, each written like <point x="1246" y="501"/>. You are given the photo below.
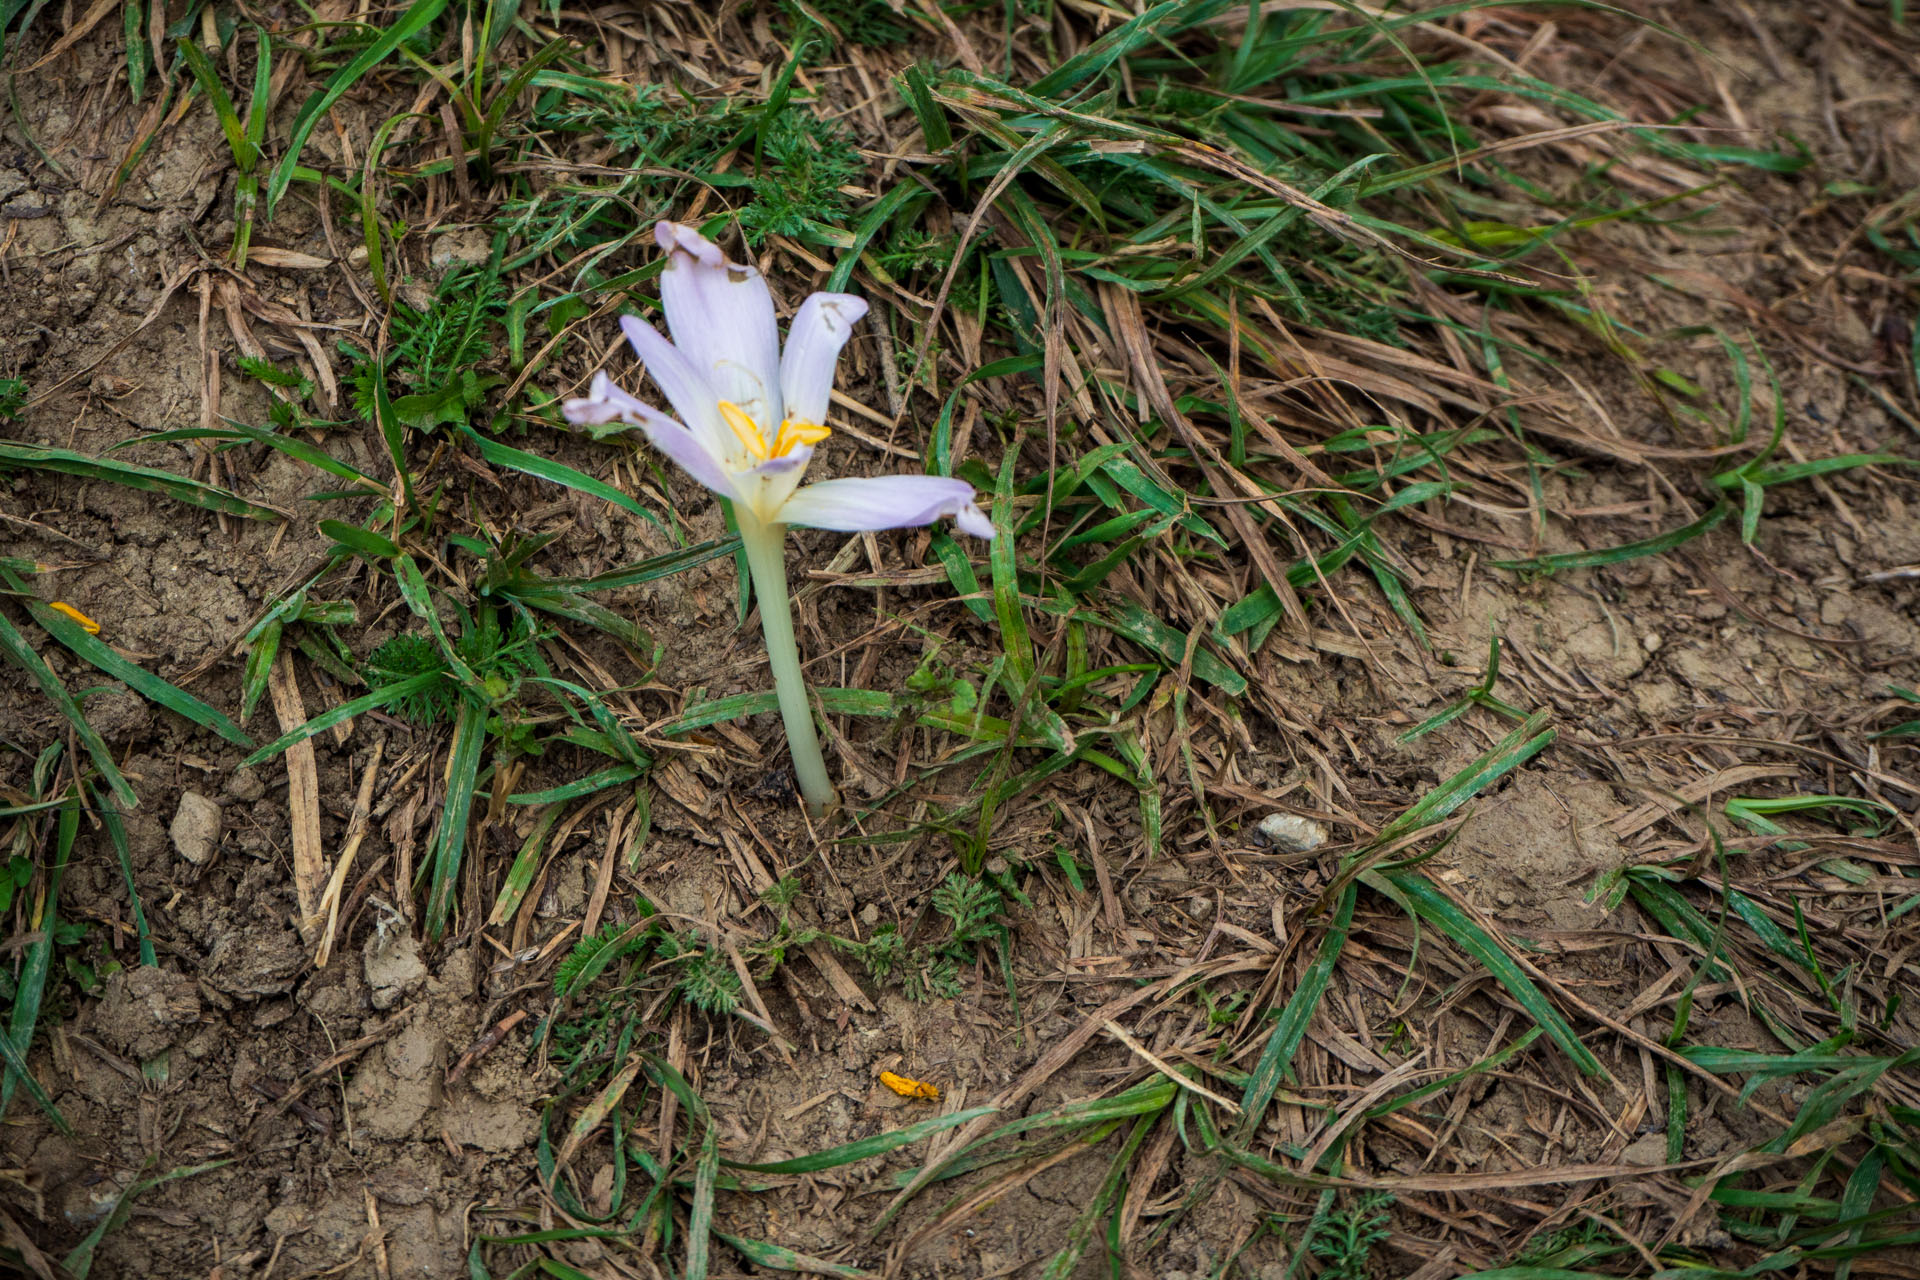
<point x="1627" y="551"/>
<point x="1149" y="1095"/>
<point x="299" y="450"/>
<point x="778" y="1258"/>
<point x="1512" y="751"/>
<point x="533" y="464"/>
<point x="840" y="702"/>
<point x="649" y="570"/>
<point x="138" y="678"/>
<point x="79" y="1263"/>
<point x="1492" y="1062"/>
<point x="31" y="986"/>
<point x="209" y="80"/>
<point x="960" y="573"/>
<point x="612" y="776"/>
<point x="259" y="104"/>
<point x="117" y="833"/>
<point x="1087" y="1222"/>
<point x="450" y="845"/>
<point x="706" y="1176"/>
<point x="17" y="1069"/>
<point x="865" y="1148"/>
<point x="1291" y="1026"/>
<point x="1128" y="620"/>
<point x="345" y="711"/>
<point x="1440" y="911"/>
<point x="1119" y="42"/>
<point x="586" y="612"/>
<point x="316" y="107"/>
<point x="15" y="647"/>
<point x="260" y="655"/>
<point x="365" y="543"/>
<point x="1857" y="1202"/>
<point x="880" y="214"/>
<point x="520" y="874"/>
<point x="149" y="479"/>
<point x="1006" y="582"/>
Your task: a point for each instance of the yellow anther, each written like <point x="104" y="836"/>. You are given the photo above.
<point x="908" y="1088"/>
<point x="87" y="624"/>
<point x="744" y="428"/>
<point x="795" y="432"/>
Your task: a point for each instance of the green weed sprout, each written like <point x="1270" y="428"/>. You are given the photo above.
<point x="750" y="415"/>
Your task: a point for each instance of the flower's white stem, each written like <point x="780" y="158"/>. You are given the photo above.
<point x="767" y="560"/>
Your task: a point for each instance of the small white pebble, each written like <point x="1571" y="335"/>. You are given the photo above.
<point x="1290" y="833"/>
<point x="196" y="827"/>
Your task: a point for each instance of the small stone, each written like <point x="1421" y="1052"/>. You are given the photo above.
<point x="1651" y="642"/>
<point x="245" y="785"/>
<point x="870" y="914"/>
<point x="468" y="247"/>
<point x="196" y="827"/>
<point x="1648" y="1150"/>
<point x="1289" y="833"/>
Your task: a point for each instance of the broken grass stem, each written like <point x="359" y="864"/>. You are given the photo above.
<point x="767" y="562"/>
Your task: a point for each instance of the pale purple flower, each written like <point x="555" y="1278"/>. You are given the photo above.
<point x="750" y="414"/>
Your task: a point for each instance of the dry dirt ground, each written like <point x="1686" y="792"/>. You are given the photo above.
<point x="353" y="1146"/>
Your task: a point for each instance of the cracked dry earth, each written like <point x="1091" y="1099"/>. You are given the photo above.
<point x="359" y="1136"/>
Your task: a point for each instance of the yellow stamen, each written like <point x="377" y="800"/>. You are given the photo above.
<point x="87" y="624"/>
<point x="792" y="434"/>
<point x="910" y="1088"/>
<point x="744" y="428"/>
<point x="795" y="432"/>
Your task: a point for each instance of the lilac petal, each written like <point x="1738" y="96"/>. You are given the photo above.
<point x="606" y="402"/>
<point x="820" y="329"/>
<point x="885" y="502"/>
<point x="603" y="403"/>
<point x="721" y="316"/>
<point x="680" y="382"/>
<point x="795" y="459"/>
<point x="767" y="485"/>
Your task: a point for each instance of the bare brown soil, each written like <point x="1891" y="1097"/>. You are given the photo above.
<point x="351" y="1150"/>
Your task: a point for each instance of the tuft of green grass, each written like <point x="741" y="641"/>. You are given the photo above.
<point x="871" y="24"/>
<point x="1907" y="728"/>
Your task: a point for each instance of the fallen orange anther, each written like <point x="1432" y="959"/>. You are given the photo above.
<point x="61" y="606"/>
<point x="910" y="1088"/>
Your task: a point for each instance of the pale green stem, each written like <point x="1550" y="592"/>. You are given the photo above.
<point x="767" y="560"/>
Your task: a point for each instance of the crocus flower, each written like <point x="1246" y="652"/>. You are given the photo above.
<point x="750" y="413"/>
<point x="750" y="416"/>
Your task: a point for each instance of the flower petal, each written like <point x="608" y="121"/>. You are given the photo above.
<point x="885" y="502"/>
<point x="606" y="402"/>
<point x="767" y="485"/>
<point x="680" y="382"/>
<point x="721" y="316"/>
<point x="820" y="329"/>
